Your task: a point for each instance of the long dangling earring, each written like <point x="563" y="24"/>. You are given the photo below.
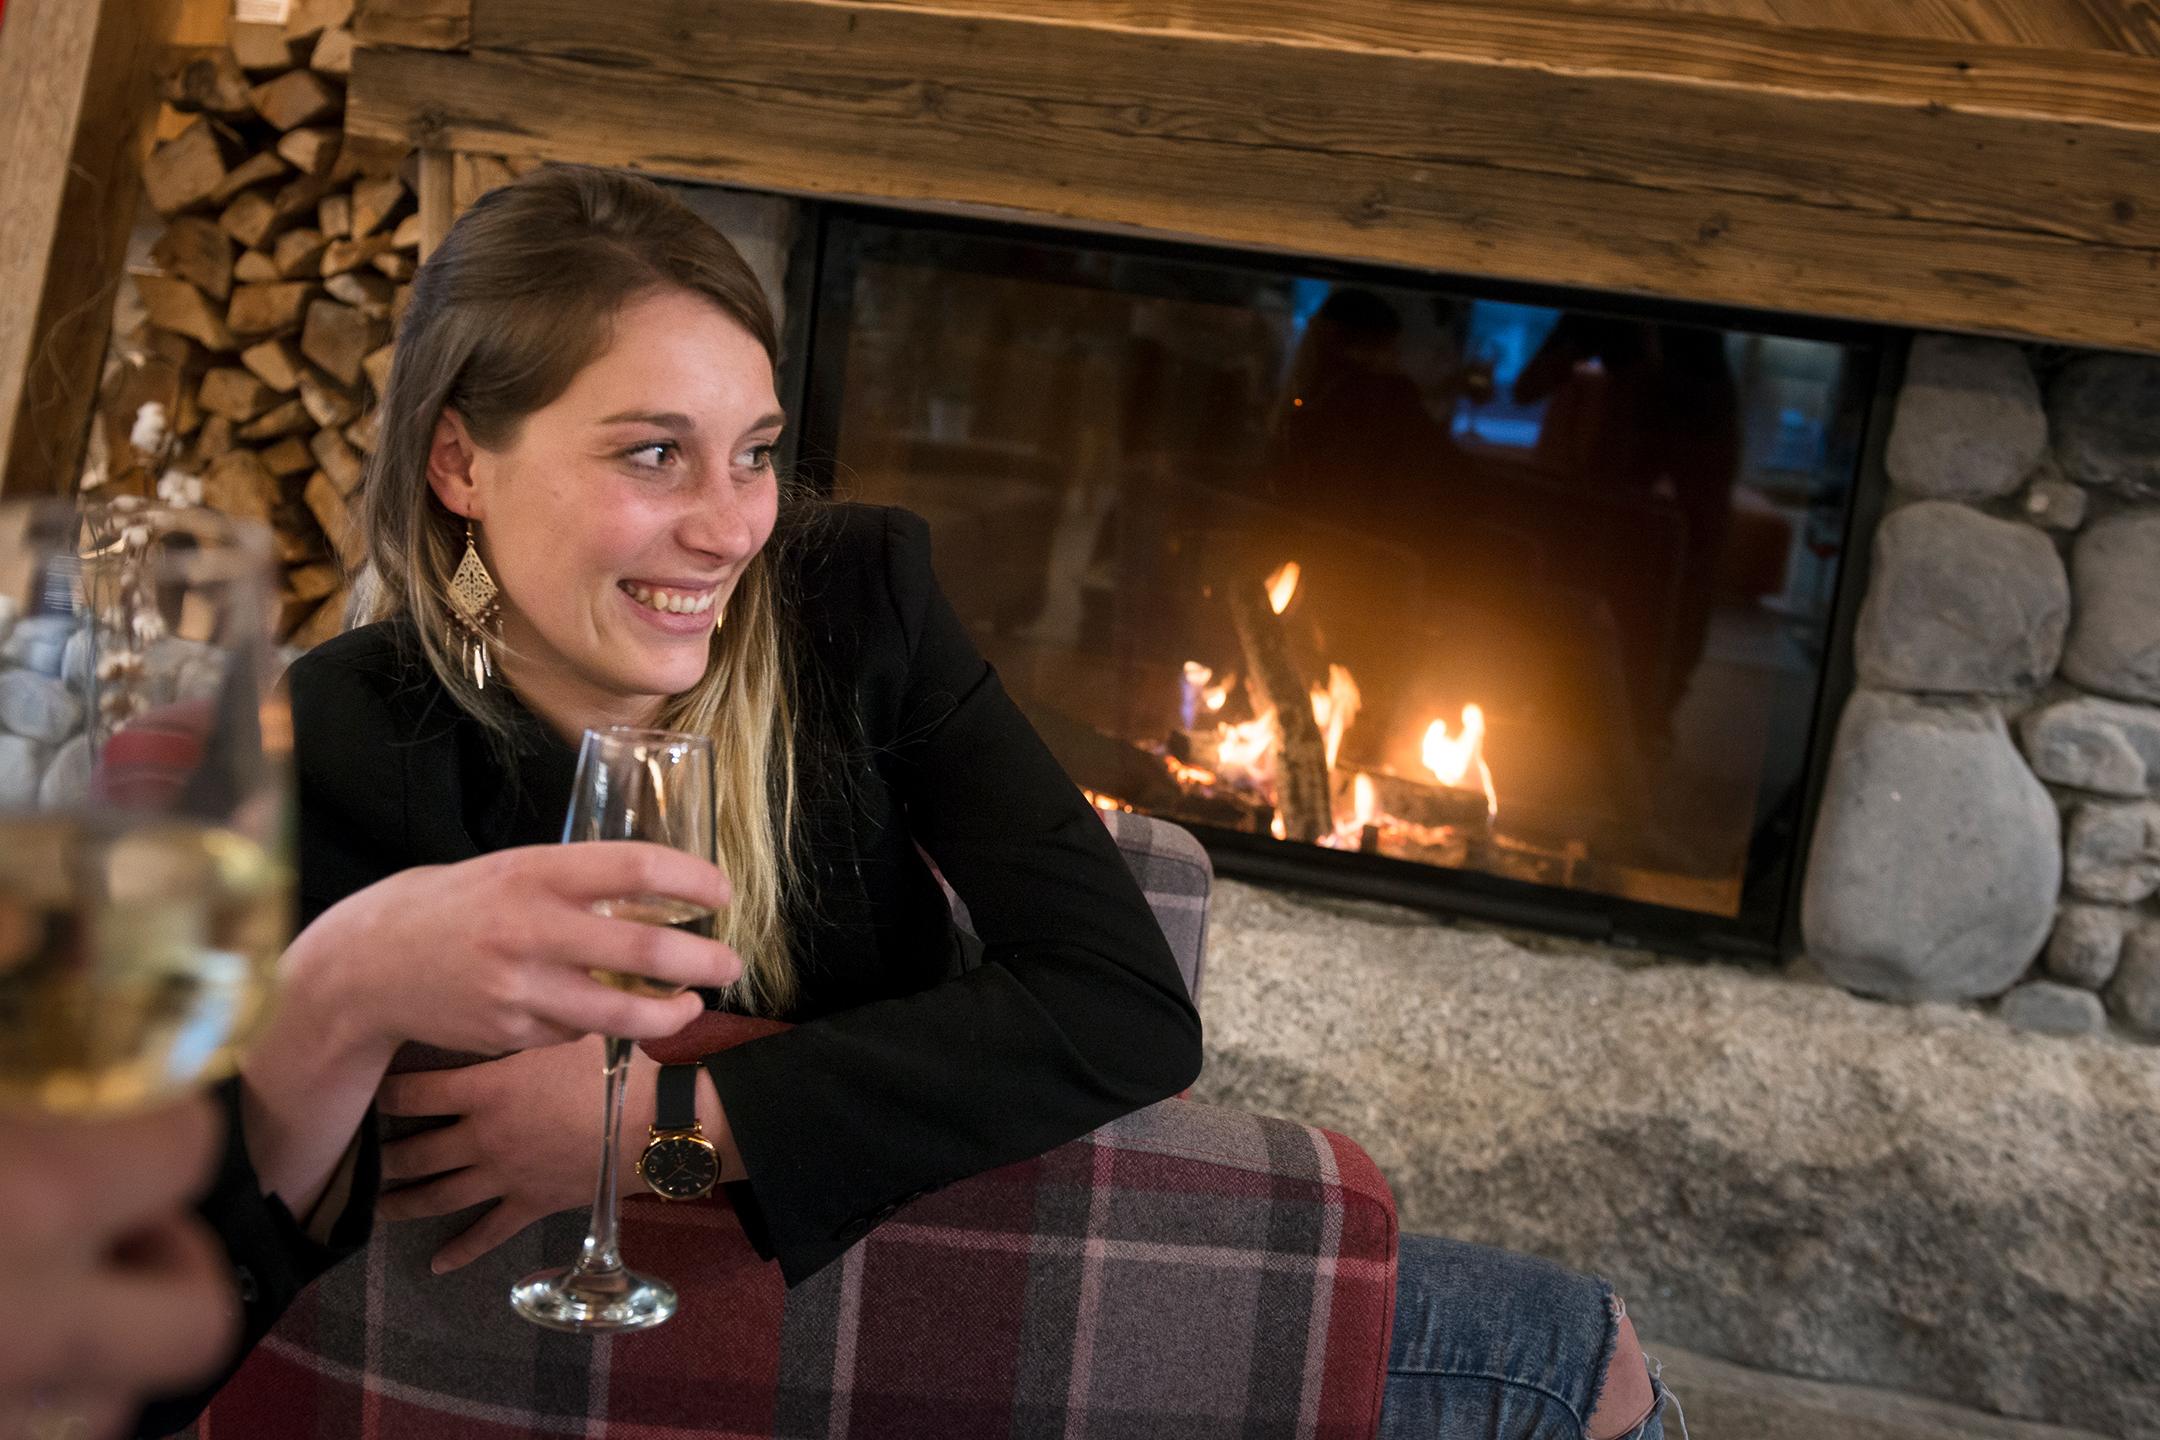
<point x="475" y="609"/>
<point x="719" y="619"/>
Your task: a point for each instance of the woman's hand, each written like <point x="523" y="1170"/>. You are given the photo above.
<point x="494" y="954"/>
<point x="525" y="1135"/>
<point x="118" y="1289"/>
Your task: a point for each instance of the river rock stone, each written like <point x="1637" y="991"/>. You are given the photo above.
<point x="2106" y="410"/>
<point x="1969" y="424"/>
<point x="2047" y="1007"/>
<point x="2053" y="503"/>
<point x="2115" y="644"/>
<point x="1937" y="856"/>
<point x="2113" y="853"/>
<point x="22" y="762"/>
<point x="75" y="661"/>
<point x="38" y="706"/>
<point x="66" y="782"/>
<point x="38" y="643"/>
<point x="2134" y="994"/>
<point x="2106" y="746"/>
<point x="2087" y="943"/>
<point x="1912" y="1197"/>
<point x="1961" y="602"/>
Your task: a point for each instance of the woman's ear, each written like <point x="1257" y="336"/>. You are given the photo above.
<point x="451" y="453"/>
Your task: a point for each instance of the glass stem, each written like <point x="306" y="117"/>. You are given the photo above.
<point x="602" y="1254"/>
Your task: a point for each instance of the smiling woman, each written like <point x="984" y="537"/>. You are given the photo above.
<point x="575" y="471"/>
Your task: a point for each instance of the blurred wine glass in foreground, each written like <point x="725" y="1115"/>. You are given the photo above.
<point x="145" y="892"/>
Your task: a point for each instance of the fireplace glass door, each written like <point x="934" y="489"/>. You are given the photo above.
<point x="1452" y="591"/>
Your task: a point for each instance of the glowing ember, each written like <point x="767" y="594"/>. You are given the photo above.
<point x="1277" y="828"/>
<point x="1105" y="802"/>
<point x="1281" y="586"/>
<point x="1453" y="756"/>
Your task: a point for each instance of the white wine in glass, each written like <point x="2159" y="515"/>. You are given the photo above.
<point x="144" y="892"/>
<point x="655" y="786"/>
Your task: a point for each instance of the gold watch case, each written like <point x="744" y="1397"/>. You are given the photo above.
<point x="680" y="1164"/>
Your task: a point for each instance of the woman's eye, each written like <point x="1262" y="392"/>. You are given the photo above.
<point x="653" y="454"/>
<point x="759" y="457"/>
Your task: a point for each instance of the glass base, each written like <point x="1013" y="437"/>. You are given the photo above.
<point x="588" y="1304"/>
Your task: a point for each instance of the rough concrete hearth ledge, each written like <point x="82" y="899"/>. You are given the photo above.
<point x="1775" y="1172"/>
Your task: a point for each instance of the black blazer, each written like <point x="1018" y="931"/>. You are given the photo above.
<point x="918" y="1060"/>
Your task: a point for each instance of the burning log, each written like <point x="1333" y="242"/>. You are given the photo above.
<point x="1272" y="678"/>
<point x="1417" y="802"/>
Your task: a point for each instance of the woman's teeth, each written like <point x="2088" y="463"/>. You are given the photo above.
<point x="674" y="602"/>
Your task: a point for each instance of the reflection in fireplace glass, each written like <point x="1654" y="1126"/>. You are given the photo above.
<point x="1371" y="567"/>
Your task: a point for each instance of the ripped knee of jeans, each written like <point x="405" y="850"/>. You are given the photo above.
<point x="1626" y="1397"/>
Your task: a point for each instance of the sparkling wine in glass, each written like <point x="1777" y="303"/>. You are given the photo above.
<point x="145" y="892"/>
<point x="656" y="786"/>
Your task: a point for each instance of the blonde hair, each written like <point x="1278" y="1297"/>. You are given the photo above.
<point x="515" y="302"/>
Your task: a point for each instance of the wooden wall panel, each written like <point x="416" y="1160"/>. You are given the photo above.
<point x="1916" y="214"/>
<point x="77" y="97"/>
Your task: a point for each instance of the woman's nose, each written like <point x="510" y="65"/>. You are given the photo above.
<point x="718" y="522"/>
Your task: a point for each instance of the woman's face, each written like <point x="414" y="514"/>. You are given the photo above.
<point x="620" y="517"/>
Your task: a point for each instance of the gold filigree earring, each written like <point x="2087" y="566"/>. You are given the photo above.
<point x="475" y="610"/>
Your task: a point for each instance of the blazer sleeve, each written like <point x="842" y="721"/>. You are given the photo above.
<point x="1076" y="1015"/>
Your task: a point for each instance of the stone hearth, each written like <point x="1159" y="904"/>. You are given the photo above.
<point x="1775" y="1172"/>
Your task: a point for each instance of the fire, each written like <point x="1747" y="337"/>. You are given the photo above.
<point x="1249" y="745"/>
<point x="1246" y="755"/>
<point x="1281" y="586"/>
<point x="1453" y="755"/>
<point x="1335" y="708"/>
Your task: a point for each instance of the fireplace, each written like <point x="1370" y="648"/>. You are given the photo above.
<point x="1506" y="601"/>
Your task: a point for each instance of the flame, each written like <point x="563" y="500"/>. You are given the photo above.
<point x="1249" y="745"/>
<point x="1452" y="756"/>
<point x="1215" y="696"/>
<point x="1335" y="708"/>
<point x="1364" y="801"/>
<point x="1281" y="586"/>
<point x="1277" y="828"/>
<point x="1104" y="802"/>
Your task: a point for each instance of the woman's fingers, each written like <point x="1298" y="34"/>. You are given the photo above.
<point x="160" y="1321"/>
<point x="489" y="1231"/>
<point x="673" y="957"/>
<point x="431" y="1152"/>
<point x="592" y="870"/>
<point x="76" y="1188"/>
<point x="459" y="1190"/>
<point x="573" y="999"/>
<point x="422" y="1093"/>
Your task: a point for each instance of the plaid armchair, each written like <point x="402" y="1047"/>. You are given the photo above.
<point x="1186" y="1272"/>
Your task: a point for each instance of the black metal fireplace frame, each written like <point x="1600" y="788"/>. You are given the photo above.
<point x="820" y="288"/>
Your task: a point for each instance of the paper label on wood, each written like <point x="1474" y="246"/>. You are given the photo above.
<point x="262" y="12"/>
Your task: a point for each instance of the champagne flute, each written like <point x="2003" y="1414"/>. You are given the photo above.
<point x="657" y="786"/>
<point x="145" y="893"/>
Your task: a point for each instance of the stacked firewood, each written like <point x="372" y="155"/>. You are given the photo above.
<point x="284" y="261"/>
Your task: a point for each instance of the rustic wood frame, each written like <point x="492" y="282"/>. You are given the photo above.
<point x="1984" y="185"/>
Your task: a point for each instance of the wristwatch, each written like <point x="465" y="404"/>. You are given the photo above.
<point x="679" y="1163"/>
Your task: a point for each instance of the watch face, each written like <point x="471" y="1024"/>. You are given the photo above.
<point x="680" y="1168"/>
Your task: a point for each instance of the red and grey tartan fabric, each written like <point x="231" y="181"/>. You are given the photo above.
<point x="1187" y="1272"/>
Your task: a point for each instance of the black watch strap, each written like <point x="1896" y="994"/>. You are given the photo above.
<point x="675" y="1108"/>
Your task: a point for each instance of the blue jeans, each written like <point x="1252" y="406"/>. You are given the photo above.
<point x="1491" y="1345"/>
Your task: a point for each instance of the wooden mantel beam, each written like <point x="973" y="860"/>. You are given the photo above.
<point x="1916" y="182"/>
